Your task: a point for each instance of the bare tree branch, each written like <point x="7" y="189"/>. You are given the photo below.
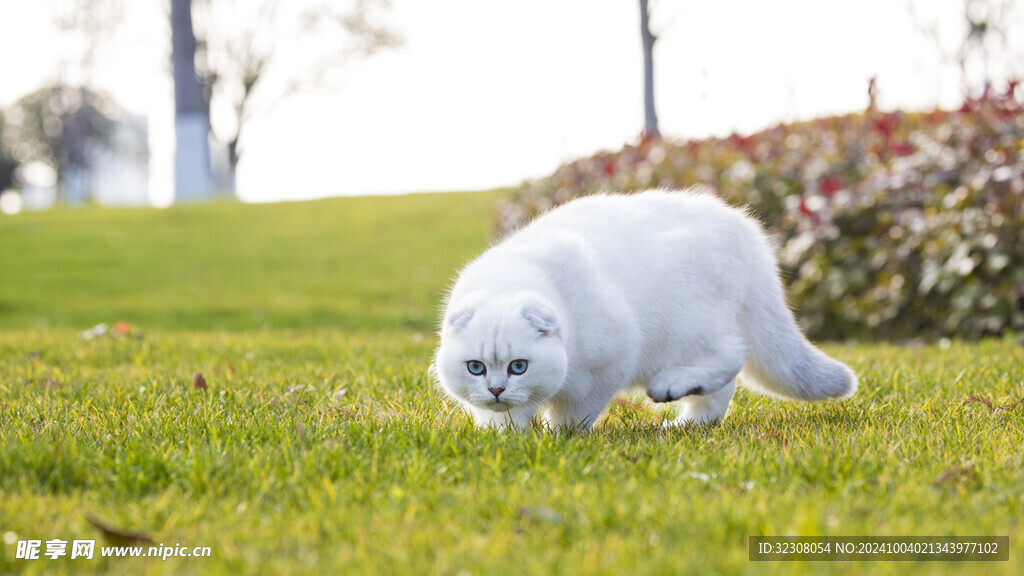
<point x="241" y="49"/>
<point x="987" y="26"/>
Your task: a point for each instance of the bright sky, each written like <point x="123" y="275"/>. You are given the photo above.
<point x="486" y="94"/>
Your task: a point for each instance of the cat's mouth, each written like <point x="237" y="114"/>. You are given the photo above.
<point x="504" y="403"/>
<point x="499" y="406"/>
<point x="493" y="404"/>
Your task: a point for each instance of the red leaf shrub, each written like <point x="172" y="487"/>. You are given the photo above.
<point x="889" y="225"/>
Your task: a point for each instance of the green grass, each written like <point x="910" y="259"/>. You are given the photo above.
<point x="378" y="263"/>
<point x="278" y="473"/>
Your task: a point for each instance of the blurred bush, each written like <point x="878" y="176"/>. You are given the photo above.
<point x="889" y="225"/>
<point x="62" y="126"/>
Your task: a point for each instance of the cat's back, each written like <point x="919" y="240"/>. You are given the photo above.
<point x="640" y="241"/>
<point x="641" y="221"/>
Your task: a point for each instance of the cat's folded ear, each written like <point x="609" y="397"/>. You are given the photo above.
<point x="542" y="319"/>
<point x="459" y="319"/>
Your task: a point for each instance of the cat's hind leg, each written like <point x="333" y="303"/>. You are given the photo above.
<point x="704" y="381"/>
<point x="700" y="373"/>
<point x="706" y="409"/>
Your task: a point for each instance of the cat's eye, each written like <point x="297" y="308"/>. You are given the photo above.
<point x="517" y="367"/>
<point x="476" y="367"/>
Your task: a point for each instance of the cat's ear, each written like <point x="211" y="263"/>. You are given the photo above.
<point x="459" y="319"/>
<point x="542" y="319"/>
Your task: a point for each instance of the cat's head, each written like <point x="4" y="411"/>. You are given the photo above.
<point x="501" y="355"/>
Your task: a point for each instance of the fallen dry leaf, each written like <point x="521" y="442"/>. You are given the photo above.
<point x="122" y="328"/>
<point x="992" y="407"/>
<point x="961" y="472"/>
<point x="773" y="435"/>
<point x="1008" y="406"/>
<point x="118" y="536"/>
<point x="199" y="382"/>
<point x="978" y="400"/>
<point x="628" y="404"/>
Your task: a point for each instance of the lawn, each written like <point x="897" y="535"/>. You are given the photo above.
<point x="319" y="444"/>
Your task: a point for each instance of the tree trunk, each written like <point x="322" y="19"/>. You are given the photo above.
<point x="193" y="178"/>
<point x="650" y="117"/>
<point x="233" y="158"/>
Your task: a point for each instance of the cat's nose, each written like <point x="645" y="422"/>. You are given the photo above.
<point x="496" y="391"/>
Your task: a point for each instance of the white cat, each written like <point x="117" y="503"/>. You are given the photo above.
<point x="674" y="291"/>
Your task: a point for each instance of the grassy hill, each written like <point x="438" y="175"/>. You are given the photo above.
<point x="343" y="263"/>
<point x="315" y="442"/>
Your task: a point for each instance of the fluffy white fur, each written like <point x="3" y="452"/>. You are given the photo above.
<point x="674" y="291"/>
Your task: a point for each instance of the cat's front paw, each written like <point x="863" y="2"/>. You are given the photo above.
<point x="515" y="419"/>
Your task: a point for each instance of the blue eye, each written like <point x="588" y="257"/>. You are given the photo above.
<point x="517" y="367"/>
<point x="476" y="367"/>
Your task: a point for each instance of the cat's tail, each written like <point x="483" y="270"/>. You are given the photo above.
<point x="780" y="361"/>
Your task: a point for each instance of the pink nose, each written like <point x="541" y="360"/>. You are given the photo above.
<point x="496" y="391"/>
